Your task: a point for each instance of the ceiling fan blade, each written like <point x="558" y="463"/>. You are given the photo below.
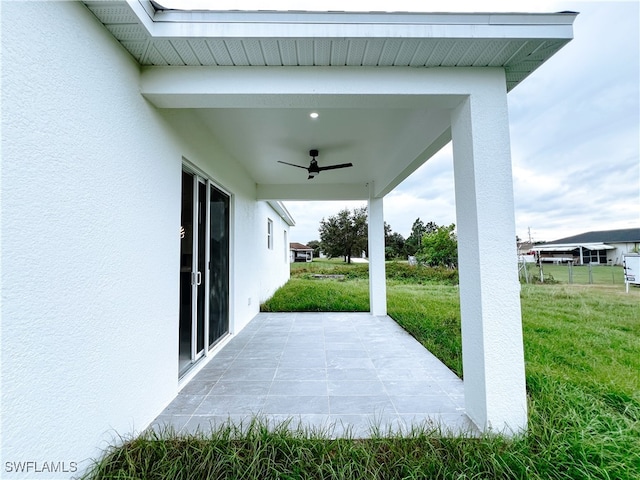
<point x="333" y="167"/>
<point x="293" y="164"/>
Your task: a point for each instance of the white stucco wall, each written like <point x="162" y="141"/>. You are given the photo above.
<point x="90" y="248"/>
<point x="274" y="262"/>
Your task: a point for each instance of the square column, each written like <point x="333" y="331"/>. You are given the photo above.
<point x="377" y="275"/>
<point x="492" y="346"/>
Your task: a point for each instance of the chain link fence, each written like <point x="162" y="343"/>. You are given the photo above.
<point x="589" y="274"/>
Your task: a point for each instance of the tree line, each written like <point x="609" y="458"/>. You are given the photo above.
<point x="345" y="235"/>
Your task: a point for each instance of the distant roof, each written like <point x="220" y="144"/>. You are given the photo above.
<point x="299" y="246"/>
<point x="567" y="247"/>
<point x="624" y="235"/>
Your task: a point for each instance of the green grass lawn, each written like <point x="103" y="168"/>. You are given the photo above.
<point x="582" y="352"/>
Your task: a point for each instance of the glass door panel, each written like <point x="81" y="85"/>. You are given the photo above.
<point x="186" y="269"/>
<point x="218" y="265"/>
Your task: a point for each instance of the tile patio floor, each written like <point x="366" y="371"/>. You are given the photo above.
<point x="343" y="373"/>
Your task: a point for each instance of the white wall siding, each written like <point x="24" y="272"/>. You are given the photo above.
<point x="90" y="247"/>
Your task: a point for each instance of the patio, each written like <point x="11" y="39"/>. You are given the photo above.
<point x="342" y="373"/>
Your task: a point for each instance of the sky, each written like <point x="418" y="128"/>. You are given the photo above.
<point x="574" y="127"/>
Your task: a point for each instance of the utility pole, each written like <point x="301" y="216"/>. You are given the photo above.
<point x="529" y="232"/>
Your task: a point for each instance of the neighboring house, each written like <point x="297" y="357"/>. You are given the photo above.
<point x="141" y="189"/>
<point x="300" y="252"/>
<point x="604" y="247"/>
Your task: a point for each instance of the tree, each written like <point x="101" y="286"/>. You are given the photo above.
<point x="393" y="243"/>
<point x="412" y="244"/>
<point x="345" y="234"/>
<point x="439" y="247"/>
<point x="315" y="244"/>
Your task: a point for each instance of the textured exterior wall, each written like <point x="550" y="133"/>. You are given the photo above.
<point x="90" y="248"/>
<point x="275" y="262"/>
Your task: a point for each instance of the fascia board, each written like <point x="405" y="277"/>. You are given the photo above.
<point x="247" y="24"/>
<point x="282" y="211"/>
<point x="353" y="31"/>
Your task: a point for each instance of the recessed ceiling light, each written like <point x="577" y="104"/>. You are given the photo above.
<point x="314" y="115"/>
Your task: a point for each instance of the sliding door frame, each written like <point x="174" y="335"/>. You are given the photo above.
<point x="201" y="177"/>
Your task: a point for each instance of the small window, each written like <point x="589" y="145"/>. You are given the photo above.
<point x="269" y="234"/>
<point x="286" y="248"/>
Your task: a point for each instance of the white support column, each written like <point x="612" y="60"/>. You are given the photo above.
<point x="492" y="347"/>
<point x="377" y="276"/>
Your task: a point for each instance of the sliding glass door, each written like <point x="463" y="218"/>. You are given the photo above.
<point x="204" y="268"/>
<point x="218" y="265"/>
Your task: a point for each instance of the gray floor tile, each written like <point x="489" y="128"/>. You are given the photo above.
<point x="231" y="387"/>
<point x="352" y="374"/>
<point x="198" y="387"/>
<point x="299" y="387"/>
<point x="169" y="424"/>
<point x="435" y="404"/>
<point x="345" y="350"/>
<point x="389" y="373"/>
<point x="413" y="387"/>
<point x="257" y="362"/>
<point x="292" y="405"/>
<point x="350" y="388"/>
<point x="249" y="374"/>
<point x="310" y="361"/>
<point x="184" y="405"/>
<point x="361" y="404"/>
<point x="301" y="374"/>
<point x="231" y="404"/>
<point x="210" y="374"/>
<point x="350" y="362"/>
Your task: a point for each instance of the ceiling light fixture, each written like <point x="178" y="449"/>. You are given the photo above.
<point x="314" y="115"/>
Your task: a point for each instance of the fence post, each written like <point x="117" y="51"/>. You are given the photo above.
<point x="570" y="272"/>
<point x="541" y="274"/>
<point x="613" y="275"/>
<point x="590" y="274"/>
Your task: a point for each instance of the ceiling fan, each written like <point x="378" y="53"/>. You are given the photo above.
<point x="313" y="167"/>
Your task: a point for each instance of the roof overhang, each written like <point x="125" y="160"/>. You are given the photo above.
<point x="282" y="211"/>
<point x="572" y="246"/>
<point x="517" y="42"/>
<point x="385" y="84"/>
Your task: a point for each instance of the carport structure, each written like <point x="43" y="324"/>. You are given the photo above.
<point x="390" y="90"/>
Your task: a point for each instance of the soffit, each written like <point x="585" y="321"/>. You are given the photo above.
<point x="520" y="43"/>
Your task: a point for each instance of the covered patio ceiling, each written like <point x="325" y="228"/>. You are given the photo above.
<point x="253" y="78"/>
